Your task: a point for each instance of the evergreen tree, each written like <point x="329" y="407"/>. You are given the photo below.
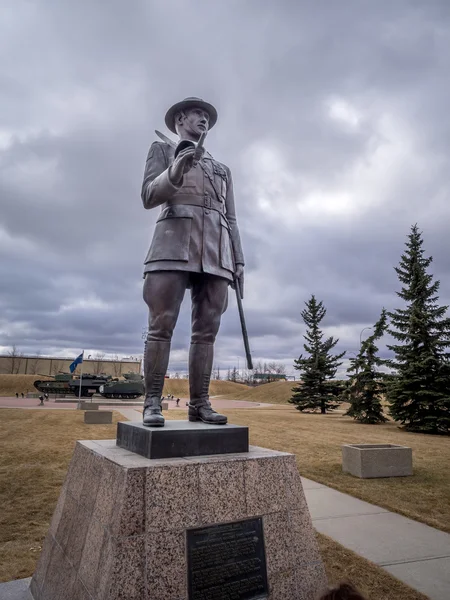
<point x="317" y="370"/>
<point x="419" y="393"/>
<point x="367" y="384"/>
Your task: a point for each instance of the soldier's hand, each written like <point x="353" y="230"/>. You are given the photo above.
<point x="181" y="165"/>
<point x="198" y="154"/>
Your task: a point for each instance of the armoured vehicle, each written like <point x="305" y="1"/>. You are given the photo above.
<point x="131" y="388"/>
<point x="58" y="385"/>
<point x="64" y="383"/>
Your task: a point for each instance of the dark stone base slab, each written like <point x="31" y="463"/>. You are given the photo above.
<point x="181" y="438"/>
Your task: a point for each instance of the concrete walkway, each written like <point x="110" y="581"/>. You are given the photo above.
<point x="16" y="590"/>
<point x="413" y="552"/>
<point x="217" y="402"/>
<point x="131" y="414"/>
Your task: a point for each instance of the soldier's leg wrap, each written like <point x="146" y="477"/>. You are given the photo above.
<point x="156" y="359"/>
<point x="163" y="293"/>
<point x="209" y="300"/>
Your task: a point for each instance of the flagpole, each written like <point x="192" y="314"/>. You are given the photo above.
<point x="81" y="377"/>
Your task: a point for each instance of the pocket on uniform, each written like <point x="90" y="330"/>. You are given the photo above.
<point x="172" y="235"/>
<point x="190" y="180"/>
<point x="226" y="258"/>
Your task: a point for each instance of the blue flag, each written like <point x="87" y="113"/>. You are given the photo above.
<point x="76" y="362"/>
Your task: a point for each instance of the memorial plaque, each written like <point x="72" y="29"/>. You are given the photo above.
<point x="227" y="562"/>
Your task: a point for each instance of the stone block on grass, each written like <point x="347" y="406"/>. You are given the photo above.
<point x="369" y="461"/>
<point x="98" y="417"/>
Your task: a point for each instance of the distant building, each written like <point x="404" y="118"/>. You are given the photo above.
<point x="51" y="365"/>
<point x="267" y="377"/>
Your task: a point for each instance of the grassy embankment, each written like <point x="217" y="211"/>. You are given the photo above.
<point x="277" y="392"/>
<point x="180" y="388"/>
<point x="10" y="384"/>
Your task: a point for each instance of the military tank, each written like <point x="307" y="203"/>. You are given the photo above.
<point x="58" y="385"/>
<point x="131" y="388"/>
<point x="90" y="384"/>
<point x="64" y="383"/>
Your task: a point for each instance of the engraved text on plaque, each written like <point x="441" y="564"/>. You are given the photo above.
<point x="227" y="562"/>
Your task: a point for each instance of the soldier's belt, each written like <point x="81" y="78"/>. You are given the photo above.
<point x="205" y="201"/>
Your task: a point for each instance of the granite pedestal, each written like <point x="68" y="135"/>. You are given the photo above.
<point x="370" y="461"/>
<point x="128" y="527"/>
<point x="181" y="438"/>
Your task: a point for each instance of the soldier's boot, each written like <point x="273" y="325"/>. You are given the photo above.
<point x="156" y="360"/>
<point x="200" y="367"/>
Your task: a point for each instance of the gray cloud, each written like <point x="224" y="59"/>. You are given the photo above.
<point x="332" y="117"/>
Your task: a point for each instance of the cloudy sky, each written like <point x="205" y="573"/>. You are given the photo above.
<point x="333" y="117"/>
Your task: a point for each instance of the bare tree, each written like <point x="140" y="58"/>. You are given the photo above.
<point x="57" y="366"/>
<point x="261" y="367"/>
<point x="258" y="368"/>
<point x="15" y="358"/>
<point x="234" y="375"/>
<point x="277" y="368"/>
<point x="274" y="368"/>
<point x="98" y="363"/>
<point x="117" y="366"/>
<point x="268" y="370"/>
<point x="244" y="376"/>
<point x="33" y="363"/>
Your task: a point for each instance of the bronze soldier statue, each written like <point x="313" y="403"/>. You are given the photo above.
<point x="195" y="245"/>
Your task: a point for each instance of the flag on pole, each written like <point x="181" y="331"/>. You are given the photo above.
<point x="76" y="362"/>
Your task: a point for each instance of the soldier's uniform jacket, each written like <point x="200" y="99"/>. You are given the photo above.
<point x="197" y="224"/>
